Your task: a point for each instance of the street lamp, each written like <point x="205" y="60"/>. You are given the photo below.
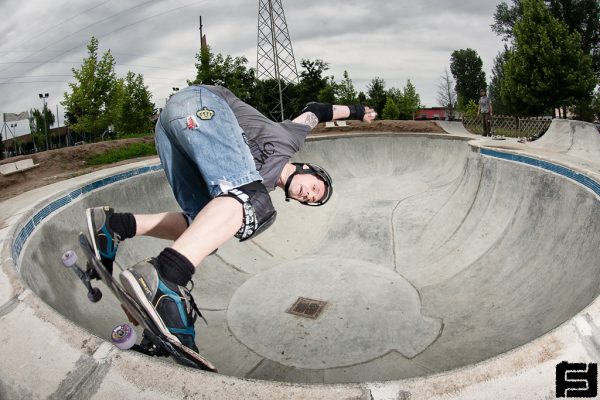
<point x="44" y="97"/>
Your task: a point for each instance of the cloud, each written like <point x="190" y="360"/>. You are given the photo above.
<point x="396" y="41"/>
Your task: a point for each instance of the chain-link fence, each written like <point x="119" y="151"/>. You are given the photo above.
<point x="509" y="126"/>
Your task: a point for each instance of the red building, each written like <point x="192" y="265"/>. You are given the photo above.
<point x="431" y="113"/>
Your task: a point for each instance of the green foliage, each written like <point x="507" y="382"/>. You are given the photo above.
<point x="89" y="106"/>
<point x="377" y="94"/>
<point x="547" y="68"/>
<point x="596" y="105"/>
<point x="225" y="71"/>
<point x="134" y="150"/>
<point x="471" y="108"/>
<point x="390" y="110"/>
<point x="501" y="107"/>
<point x="466" y="67"/>
<point x="327" y="94"/>
<point x="407" y="101"/>
<point x="312" y="81"/>
<point x="345" y="92"/>
<point x="36" y="125"/>
<point x="133" y="105"/>
<point x="99" y="98"/>
<point x="411" y="102"/>
<point x="581" y="16"/>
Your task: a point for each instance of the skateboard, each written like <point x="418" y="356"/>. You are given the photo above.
<point x="154" y="342"/>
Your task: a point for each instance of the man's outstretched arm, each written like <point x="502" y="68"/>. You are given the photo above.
<point x="314" y="113"/>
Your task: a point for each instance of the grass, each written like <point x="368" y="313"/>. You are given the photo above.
<point x="133" y="150"/>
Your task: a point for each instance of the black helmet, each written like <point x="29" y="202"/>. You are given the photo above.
<point x="313" y="169"/>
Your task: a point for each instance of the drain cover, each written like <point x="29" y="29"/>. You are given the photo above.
<point x="308" y="308"/>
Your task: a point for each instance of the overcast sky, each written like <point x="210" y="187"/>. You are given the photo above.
<point x="396" y="40"/>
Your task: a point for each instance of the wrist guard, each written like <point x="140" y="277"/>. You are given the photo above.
<point x="357" y="111"/>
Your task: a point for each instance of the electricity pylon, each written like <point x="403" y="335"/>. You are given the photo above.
<point x="274" y="55"/>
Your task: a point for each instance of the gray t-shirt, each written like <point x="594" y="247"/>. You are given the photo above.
<point x="484" y="104"/>
<point x="271" y="143"/>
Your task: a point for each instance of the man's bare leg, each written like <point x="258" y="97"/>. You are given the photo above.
<point x="213" y="226"/>
<point x="168" y="225"/>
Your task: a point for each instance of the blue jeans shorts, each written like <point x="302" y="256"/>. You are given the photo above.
<point x="202" y="148"/>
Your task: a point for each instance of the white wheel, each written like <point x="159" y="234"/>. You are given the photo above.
<point x="124" y="336"/>
<point x="69" y="258"/>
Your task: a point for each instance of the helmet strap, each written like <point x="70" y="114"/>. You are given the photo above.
<point x="288" y="182"/>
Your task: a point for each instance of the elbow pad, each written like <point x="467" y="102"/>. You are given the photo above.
<point x="323" y="111"/>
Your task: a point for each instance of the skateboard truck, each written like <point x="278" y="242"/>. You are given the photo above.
<point x="69" y="260"/>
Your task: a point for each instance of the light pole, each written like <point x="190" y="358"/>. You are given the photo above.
<point x="44" y="97"/>
<point x="14" y="128"/>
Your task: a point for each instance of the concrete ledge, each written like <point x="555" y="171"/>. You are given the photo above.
<point x="18" y="166"/>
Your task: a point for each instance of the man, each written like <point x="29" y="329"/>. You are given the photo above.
<point x="485" y="109"/>
<point x="221" y="158"/>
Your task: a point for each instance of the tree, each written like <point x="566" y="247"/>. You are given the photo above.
<point x="327" y="94"/>
<point x="134" y="105"/>
<point x="547" y="68"/>
<point x="410" y="102"/>
<point x="312" y="82"/>
<point x="500" y="106"/>
<point x="377" y="94"/>
<point x="471" y="108"/>
<point x="225" y="71"/>
<point x="36" y="124"/>
<point x="446" y="95"/>
<point x="345" y="92"/>
<point x="581" y="16"/>
<point x="89" y="105"/>
<point x="467" y="68"/>
<point x="390" y="110"/>
<point x="596" y="105"/>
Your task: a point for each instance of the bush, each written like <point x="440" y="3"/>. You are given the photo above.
<point x="133" y="150"/>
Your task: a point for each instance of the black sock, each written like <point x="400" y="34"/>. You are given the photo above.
<point x="124" y="224"/>
<point x="174" y="267"/>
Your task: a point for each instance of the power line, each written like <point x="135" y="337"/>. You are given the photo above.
<point x="61" y="23"/>
<point x="85" y="27"/>
<point x="120" y="28"/>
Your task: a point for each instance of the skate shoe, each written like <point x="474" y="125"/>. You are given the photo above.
<point x="171" y="307"/>
<point x="104" y="240"/>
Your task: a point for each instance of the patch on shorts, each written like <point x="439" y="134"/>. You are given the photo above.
<point x="191" y="122"/>
<point x="205" y="114"/>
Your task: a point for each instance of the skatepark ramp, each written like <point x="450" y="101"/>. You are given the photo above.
<point x="431" y="255"/>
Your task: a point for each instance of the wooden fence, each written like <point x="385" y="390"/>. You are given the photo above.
<point x="509" y="126"/>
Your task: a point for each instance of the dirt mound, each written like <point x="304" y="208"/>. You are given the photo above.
<point x="65" y="163"/>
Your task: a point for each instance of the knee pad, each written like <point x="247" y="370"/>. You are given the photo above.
<point x="258" y="209"/>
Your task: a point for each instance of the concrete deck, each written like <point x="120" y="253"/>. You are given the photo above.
<point x="452" y="267"/>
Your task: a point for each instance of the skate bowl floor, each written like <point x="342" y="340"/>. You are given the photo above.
<point x="434" y="255"/>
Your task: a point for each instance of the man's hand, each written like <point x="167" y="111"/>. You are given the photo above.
<point x="370" y="114"/>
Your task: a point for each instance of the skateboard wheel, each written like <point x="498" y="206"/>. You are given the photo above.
<point x="69" y="258"/>
<point x="95" y="295"/>
<point x="124" y="336"/>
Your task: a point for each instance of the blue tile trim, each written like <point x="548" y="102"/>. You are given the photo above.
<point x="558" y="169"/>
<point x="28" y="228"/>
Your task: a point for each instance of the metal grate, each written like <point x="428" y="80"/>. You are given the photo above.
<point x="307" y="308"/>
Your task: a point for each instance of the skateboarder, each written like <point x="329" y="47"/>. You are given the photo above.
<point x="221" y="158"/>
<point x="486" y="111"/>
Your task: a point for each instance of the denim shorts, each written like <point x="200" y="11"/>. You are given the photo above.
<point x="202" y="148"/>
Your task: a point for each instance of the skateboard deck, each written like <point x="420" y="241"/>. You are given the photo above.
<point x="155" y="342"/>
